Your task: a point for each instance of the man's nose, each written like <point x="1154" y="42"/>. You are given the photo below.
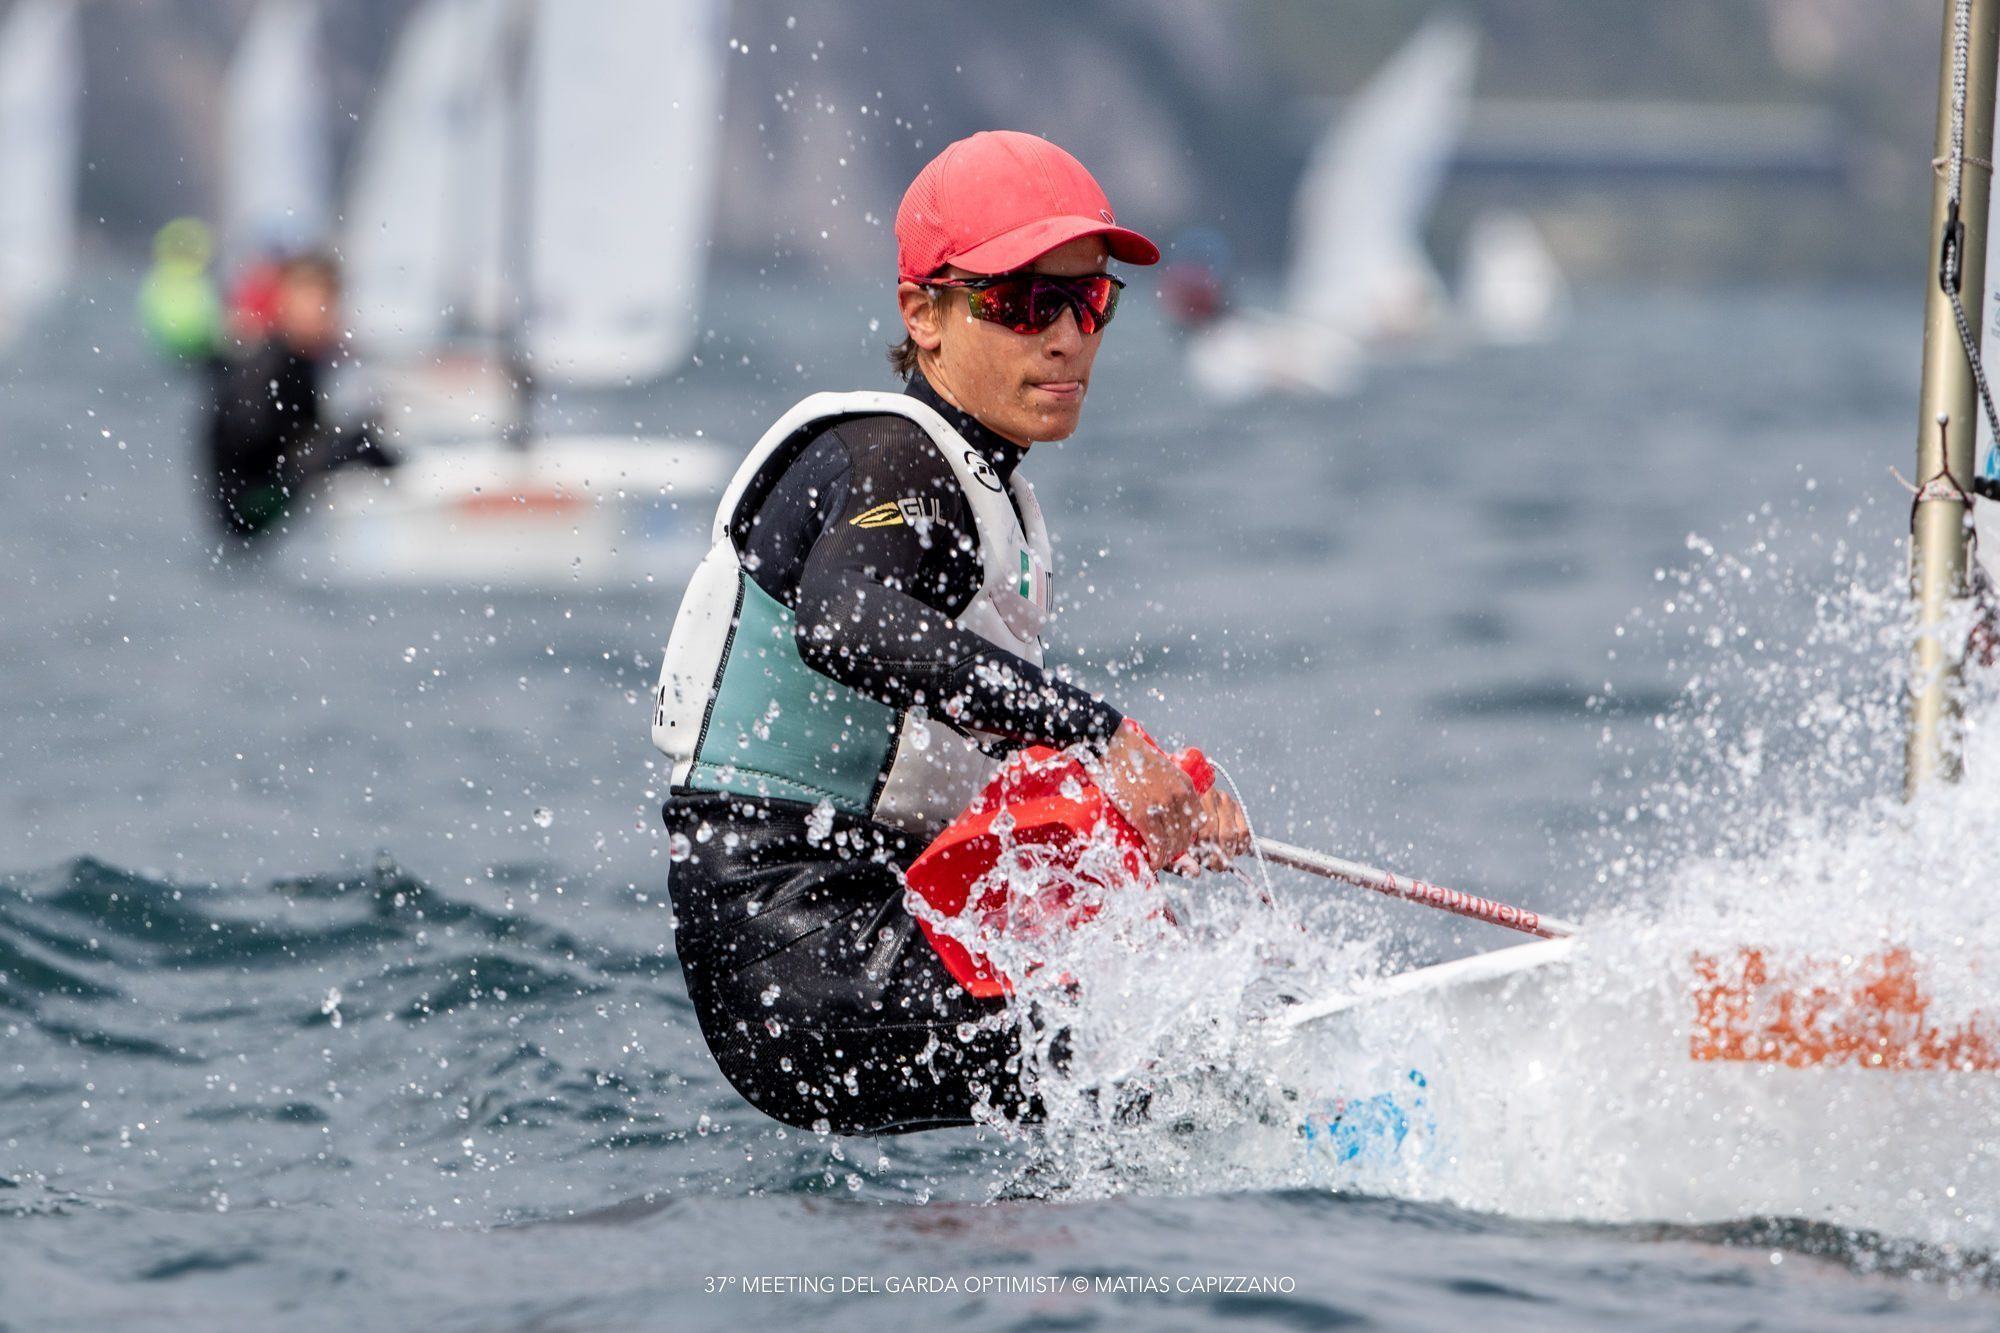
<point x="1065" y="336"/>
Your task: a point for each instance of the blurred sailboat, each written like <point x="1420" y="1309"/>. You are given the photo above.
<point x="531" y="203"/>
<point x="277" y="170"/>
<point x="1358" y="277"/>
<point x="41" y="80"/>
<point x="1510" y="289"/>
<point x="422" y="235"/>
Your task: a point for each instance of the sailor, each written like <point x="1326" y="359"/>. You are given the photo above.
<point x="862" y="648"/>
<point x="269" y="434"/>
<point x="178" y="307"/>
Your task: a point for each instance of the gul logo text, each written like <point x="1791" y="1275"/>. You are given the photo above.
<point x="910" y="509"/>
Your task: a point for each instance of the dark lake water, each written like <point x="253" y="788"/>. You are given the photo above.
<point x="336" y="973"/>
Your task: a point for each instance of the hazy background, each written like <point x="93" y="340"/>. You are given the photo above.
<point x="1698" y="143"/>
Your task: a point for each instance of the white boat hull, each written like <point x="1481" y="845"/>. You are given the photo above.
<point x="567" y="513"/>
<point x="1239" y="358"/>
<point x="1557" y="1082"/>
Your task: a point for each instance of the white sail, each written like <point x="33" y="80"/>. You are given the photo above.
<point x="277" y="173"/>
<point x="1357" y="258"/>
<point x="1510" y="287"/>
<point x="41" y="77"/>
<point x="625" y="96"/>
<point x="420" y="238"/>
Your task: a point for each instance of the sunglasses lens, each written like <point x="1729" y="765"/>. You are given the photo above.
<point x="1010" y="304"/>
<point x="1096" y="301"/>
<point x="1032" y="302"/>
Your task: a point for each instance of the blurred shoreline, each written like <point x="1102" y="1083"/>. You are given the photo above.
<point x="1195" y="116"/>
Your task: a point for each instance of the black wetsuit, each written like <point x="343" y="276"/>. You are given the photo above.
<point x="268" y="437"/>
<point x="820" y="998"/>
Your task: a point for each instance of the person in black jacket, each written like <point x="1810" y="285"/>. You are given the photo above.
<point x="873" y="651"/>
<point x="269" y="436"/>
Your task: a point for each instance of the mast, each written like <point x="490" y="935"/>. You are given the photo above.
<point x="1949" y="414"/>
<point x="470" y="223"/>
<point x="517" y="238"/>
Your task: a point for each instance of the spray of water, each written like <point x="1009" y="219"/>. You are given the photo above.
<point x="1595" y="1085"/>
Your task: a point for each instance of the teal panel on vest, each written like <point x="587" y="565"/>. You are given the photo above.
<point x="780" y="728"/>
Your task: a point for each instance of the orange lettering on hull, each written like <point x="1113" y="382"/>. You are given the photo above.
<point x="1873" y="1013"/>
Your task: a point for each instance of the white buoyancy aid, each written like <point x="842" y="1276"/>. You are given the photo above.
<point x="738" y="710"/>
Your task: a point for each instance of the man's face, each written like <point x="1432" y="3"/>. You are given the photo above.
<point x="1024" y="386"/>
<point x="306" y="314"/>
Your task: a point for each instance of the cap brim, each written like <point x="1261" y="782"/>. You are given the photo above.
<point x="1025" y="244"/>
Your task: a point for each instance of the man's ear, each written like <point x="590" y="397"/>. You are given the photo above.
<point x="920" y="315"/>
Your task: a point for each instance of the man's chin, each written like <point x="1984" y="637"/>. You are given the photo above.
<point x="1052" y="426"/>
<point x="1056" y="421"/>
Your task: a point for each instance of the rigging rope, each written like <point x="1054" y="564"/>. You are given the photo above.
<point x="1952" y="255"/>
<point x="1263" y="869"/>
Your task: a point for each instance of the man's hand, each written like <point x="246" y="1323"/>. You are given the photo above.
<point x="1222" y="832"/>
<point x="1149" y="789"/>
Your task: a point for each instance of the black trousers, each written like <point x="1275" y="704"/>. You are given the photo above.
<point x="818" y="994"/>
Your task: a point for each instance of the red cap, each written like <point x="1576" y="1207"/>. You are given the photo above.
<point x="1001" y="199"/>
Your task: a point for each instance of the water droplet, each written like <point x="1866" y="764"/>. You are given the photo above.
<point x="543" y="816"/>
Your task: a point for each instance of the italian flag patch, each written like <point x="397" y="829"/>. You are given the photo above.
<point x="1034" y="581"/>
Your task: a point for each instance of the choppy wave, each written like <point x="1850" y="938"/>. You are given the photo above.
<point x="174" y="1037"/>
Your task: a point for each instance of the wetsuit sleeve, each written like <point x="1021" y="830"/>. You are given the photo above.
<point x="876" y="600"/>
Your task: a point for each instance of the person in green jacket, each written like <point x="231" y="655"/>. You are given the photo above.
<point x="178" y="305"/>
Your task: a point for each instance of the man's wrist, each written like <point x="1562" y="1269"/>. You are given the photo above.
<point x="1102" y="725"/>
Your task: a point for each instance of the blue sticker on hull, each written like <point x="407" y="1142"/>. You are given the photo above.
<point x="1367" y="1129"/>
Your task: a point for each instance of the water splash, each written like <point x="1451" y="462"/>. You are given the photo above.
<point x="1582" y="1089"/>
<point x="1146" y="1027"/>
